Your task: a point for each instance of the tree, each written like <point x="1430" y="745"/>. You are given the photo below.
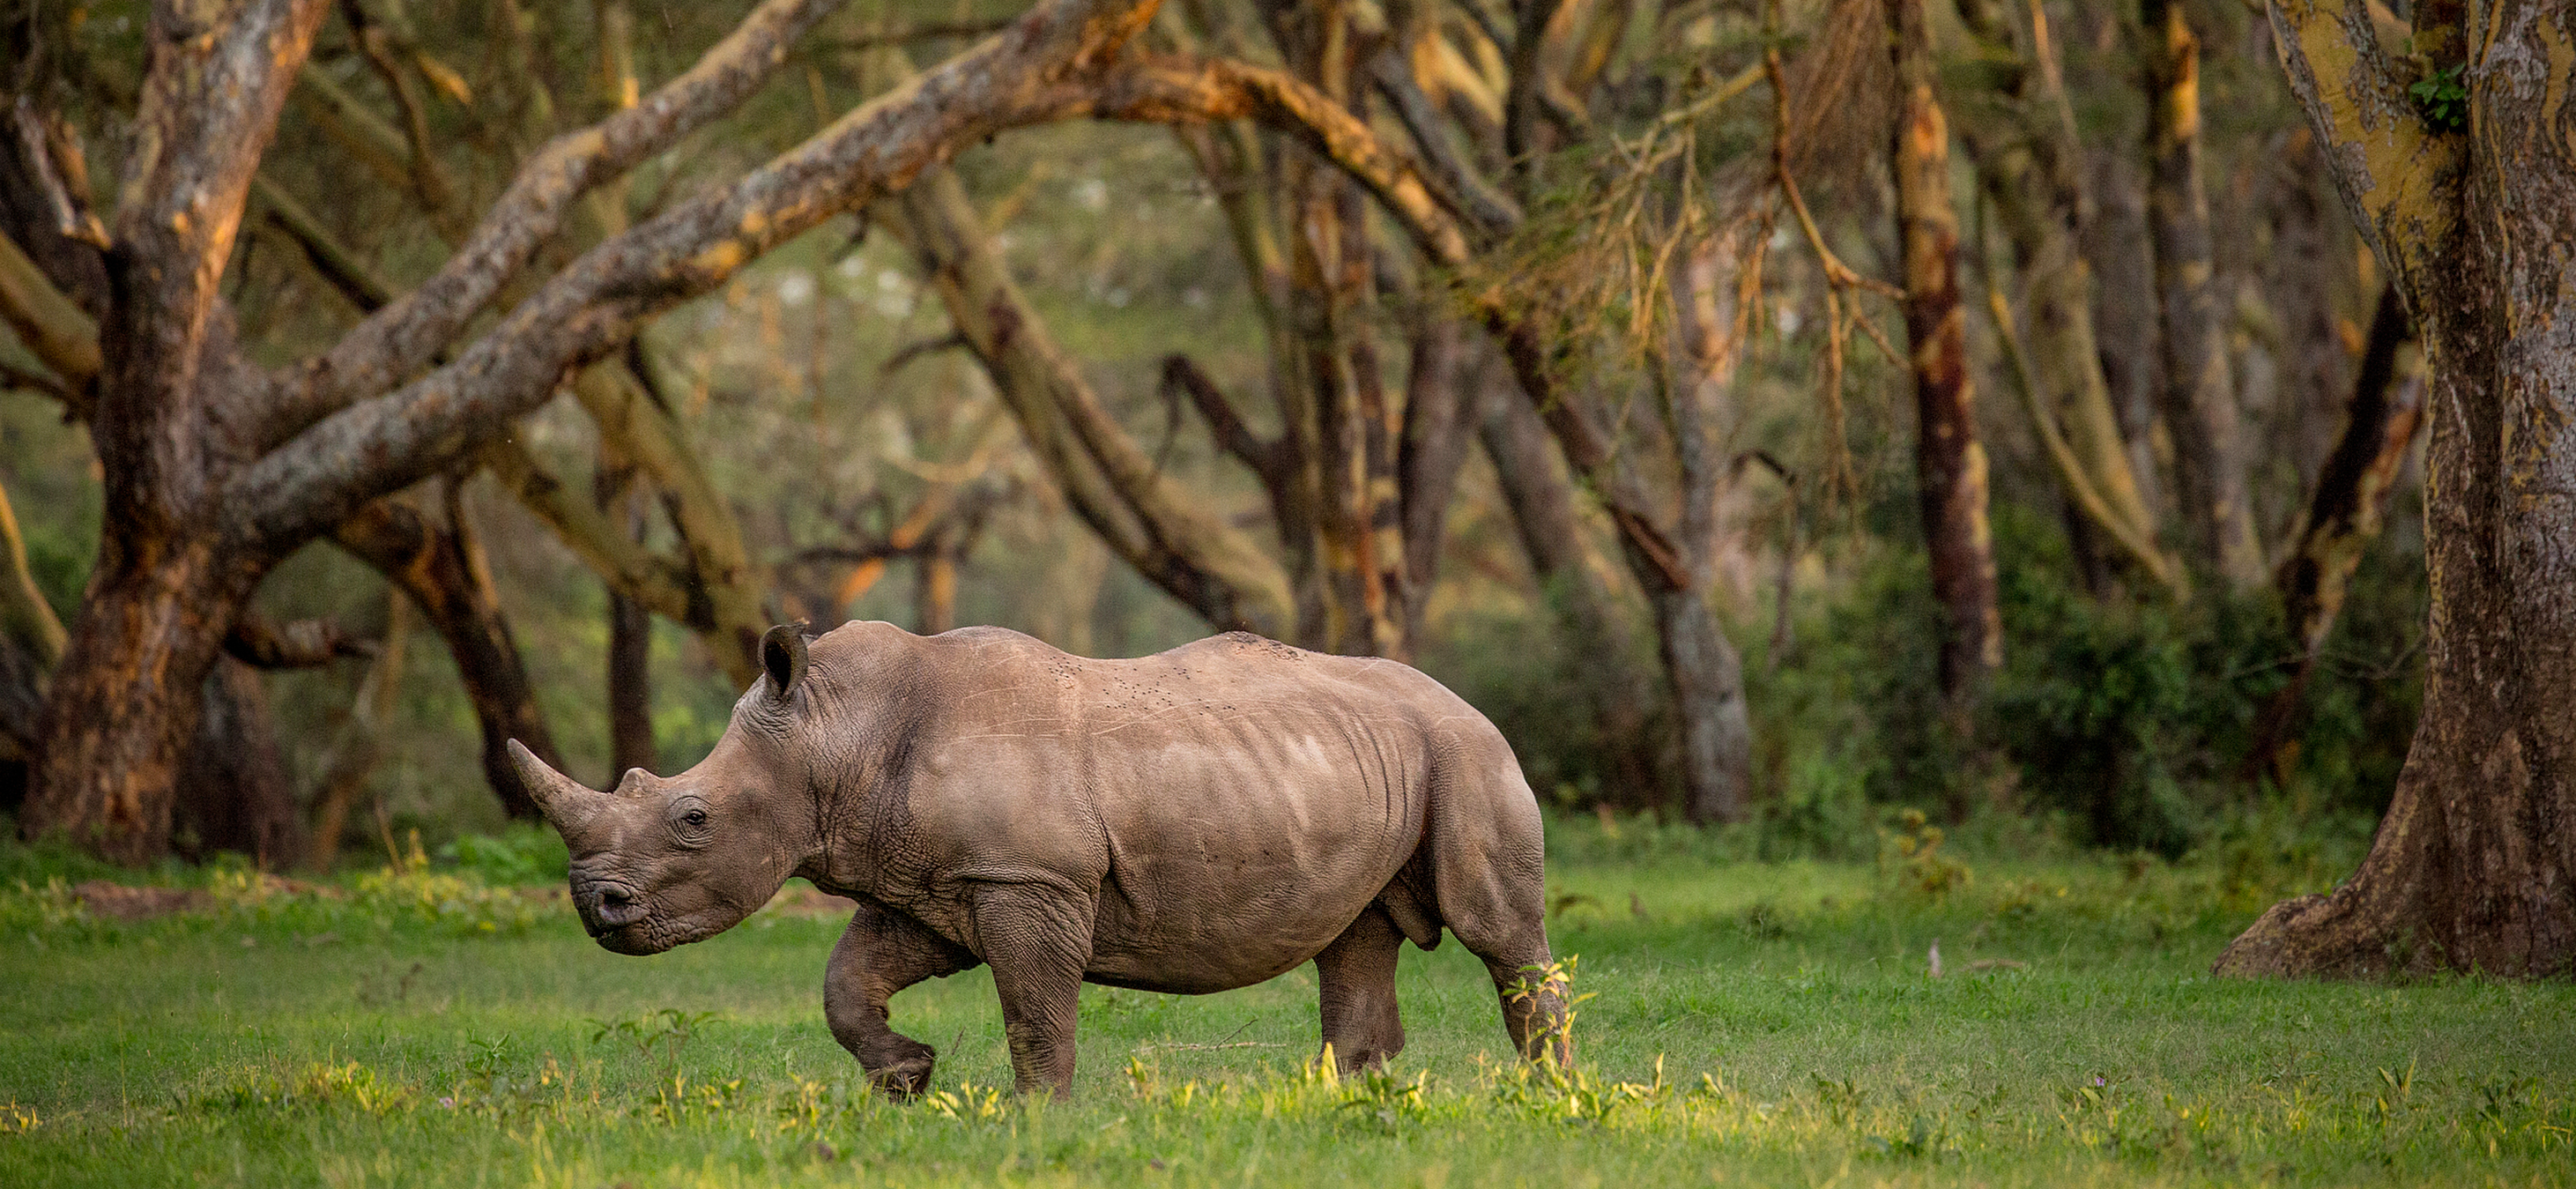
<point x="2029" y="166"/>
<point x="2459" y="170"/>
<point x="2199" y="394"/>
<point x="217" y="469"/>
<point x="1950" y="464"/>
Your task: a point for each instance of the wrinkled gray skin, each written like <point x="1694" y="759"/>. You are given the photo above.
<point x="1199" y="820"/>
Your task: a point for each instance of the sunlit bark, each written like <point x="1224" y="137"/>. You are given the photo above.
<point x="2474" y="867"/>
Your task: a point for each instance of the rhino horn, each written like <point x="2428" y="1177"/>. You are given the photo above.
<point x="565" y="802"/>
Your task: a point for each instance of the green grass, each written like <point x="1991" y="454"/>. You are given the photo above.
<point x="1769" y="1024"/>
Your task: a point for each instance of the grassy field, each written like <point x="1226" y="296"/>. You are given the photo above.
<point x="1750" y="1023"/>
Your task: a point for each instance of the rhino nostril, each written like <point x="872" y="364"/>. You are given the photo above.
<point x="614" y="907"/>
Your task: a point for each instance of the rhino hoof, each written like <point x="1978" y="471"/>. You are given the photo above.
<point x="904" y="1080"/>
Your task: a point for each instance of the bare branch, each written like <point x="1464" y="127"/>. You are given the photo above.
<point x="2070" y="469"/>
<point x="55" y="330"/>
<point x="920" y="348"/>
<point x="405" y="334"/>
<point x="639" y="428"/>
<point x="1045" y="68"/>
<point x="340" y="267"/>
<point x="25" y="616"/>
<point x="1171" y="90"/>
<point x="376" y="44"/>
<point x="1493" y="211"/>
<point x="925" y="31"/>
<point x="66" y="198"/>
<point x="633" y="570"/>
<point x="1231" y="434"/>
<point x="296" y="644"/>
<point x="347" y="120"/>
<point x="1140" y="513"/>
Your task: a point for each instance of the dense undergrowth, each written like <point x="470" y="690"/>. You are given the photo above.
<point x="2120" y="721"/>
<point x="1772" y="1022"/>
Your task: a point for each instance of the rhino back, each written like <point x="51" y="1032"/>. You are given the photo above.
<point x="1234" y="803"/>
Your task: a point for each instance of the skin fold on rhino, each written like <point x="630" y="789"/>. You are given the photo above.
<point x="1198" y="820"/>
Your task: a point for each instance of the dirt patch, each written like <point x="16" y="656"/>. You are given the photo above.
<point x="116" y="901"/>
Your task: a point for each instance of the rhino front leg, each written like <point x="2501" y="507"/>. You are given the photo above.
<point x="1357" y="977"/>
<point x="1037" y="940"/>
<point x="882" y="952"/>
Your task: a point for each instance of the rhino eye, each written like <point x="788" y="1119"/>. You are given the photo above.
<point x="695" y="819"/>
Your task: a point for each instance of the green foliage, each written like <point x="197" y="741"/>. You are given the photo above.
<point x="2443" y="99"/>
<point x="522" y="854"/>
<point x="2094" y="706"/>
<point x="1911" y="859"/>
<point x="1517" y="665"/>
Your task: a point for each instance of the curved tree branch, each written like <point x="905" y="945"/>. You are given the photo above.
<point x="405" y="334"/>
<point x="1046" y="67"/>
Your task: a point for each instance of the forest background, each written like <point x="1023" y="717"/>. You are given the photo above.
<point x="1773" y="416"/>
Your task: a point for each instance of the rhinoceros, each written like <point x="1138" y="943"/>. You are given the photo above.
<point x="1193" y="821"/>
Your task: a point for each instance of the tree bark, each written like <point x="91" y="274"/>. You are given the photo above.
<point x="215" y="471"/>
<point x="2343" y="516"/>
<point x="2199" y="394"/>
<point x="1949" y="461"/>
<point x="2029" y="169"/>
<point x="235" y="795"/>
<point x="124" y="704"/>
<point x="361" y="740"/>
<point x="2474" y="867"/>
<point x="149" y="632"/>
<point x="442" y="570"/>
<point x="1708" y="700"/>
<point x="1550" y="524"/>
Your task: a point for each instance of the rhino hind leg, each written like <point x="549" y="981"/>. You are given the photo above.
<point x="883" y="952"/>
<point x="1356" y="973"/>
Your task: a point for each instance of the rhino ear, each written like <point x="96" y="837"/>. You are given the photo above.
<point x="782" y="653"/>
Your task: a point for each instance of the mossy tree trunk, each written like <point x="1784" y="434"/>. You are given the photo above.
<point x="2474" y="867"/>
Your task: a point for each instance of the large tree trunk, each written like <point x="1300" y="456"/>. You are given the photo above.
<point x="443" y="571"/>
<point x="630" y="687"/>
<point x="234" y="791"/>
<point x="1542" y="503"/>
<point x="1708" y="702"/>
<point x="2028" y="166"/>
<point x="1949" y="462"/>
<point x="2199" y="395"/>
<point x="170" y="575"/>
<point x="122" y="709"/>
<point x="2474" y="867"/>
<point x="2343" y="516"/>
